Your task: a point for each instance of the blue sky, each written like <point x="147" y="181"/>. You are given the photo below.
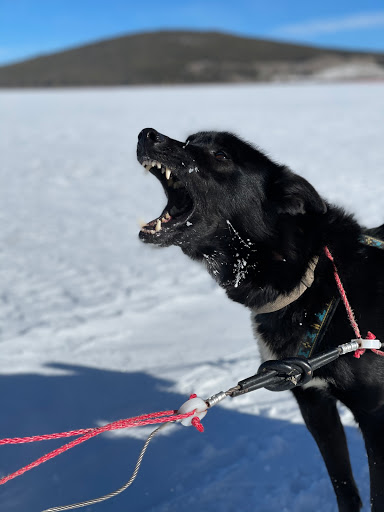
<point x="33" y="27"/>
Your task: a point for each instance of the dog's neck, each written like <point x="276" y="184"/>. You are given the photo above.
<point x="251" y="281"/>
<point x="284" y="300"/>
<point x="268" y="276"/>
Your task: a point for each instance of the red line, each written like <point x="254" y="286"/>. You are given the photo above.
<point x="344" y="298"/>
<point x="85" y="434"/>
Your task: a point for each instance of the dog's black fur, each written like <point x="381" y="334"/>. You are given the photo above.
<point x="256" y="225"/>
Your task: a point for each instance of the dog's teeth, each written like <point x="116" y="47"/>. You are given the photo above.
<point x="162" y="170"/>
<point x="158" y="225"/>
<point x="167" y="216"/>
<point x="154" y="163"/>
<point x="158" y="164"/>
<point x="167" y="173"/>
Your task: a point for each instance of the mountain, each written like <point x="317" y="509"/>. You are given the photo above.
<point x="176" y="57"/>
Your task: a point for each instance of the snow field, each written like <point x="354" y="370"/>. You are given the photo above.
<point x="96" y="326"/>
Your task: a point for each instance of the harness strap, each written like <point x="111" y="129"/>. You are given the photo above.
<point x="323" y="318"/>
<point x="372" y="241"/>
<point x="318" y="328"/>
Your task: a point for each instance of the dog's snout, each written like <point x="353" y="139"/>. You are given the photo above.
<point x="151" y="135"/>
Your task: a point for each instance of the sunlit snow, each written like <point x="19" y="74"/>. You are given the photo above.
<point x="96" y="326"/>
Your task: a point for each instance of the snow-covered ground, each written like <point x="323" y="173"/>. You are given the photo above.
<point x="96" y="326"/>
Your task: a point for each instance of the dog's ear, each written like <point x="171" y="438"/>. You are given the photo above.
<point x="293" y="195"/>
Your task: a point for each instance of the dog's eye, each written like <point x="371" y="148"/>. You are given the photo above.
<point x="220" y="155"/>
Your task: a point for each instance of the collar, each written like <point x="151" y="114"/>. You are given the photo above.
<point x="284" y="300"/>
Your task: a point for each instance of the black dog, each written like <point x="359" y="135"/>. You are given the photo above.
<point x="261" y="231"/>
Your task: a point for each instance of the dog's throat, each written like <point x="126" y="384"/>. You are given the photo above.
<point x="284" y="300"/>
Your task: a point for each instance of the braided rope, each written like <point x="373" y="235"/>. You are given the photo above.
<point x="145" y="419"/>
<point x="135" y="421"/>
<point x="343" y="295"/>
<point x="370" y="336"/>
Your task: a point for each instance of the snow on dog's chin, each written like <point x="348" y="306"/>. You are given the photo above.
<point x="179" y="208"/>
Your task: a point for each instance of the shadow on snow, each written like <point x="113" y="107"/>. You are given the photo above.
<point x="241" y="462"/>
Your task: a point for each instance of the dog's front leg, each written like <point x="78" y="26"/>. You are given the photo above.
<point x="372" y="428"/>
<point x="323" y="421"/>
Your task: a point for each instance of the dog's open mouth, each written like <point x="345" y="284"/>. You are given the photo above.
<point x="179" y="207"/>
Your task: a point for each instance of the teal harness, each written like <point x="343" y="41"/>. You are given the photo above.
<point x="322" y="319"/>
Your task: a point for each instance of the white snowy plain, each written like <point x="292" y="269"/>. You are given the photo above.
<point x="96" y="326"/>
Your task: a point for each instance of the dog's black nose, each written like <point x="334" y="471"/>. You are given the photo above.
<point x="151" y="135"/>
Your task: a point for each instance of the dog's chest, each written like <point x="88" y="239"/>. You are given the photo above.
<point x="267" y="353"/>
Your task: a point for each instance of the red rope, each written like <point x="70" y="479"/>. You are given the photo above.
<point x="360" y="351"/>
<point x="145" y="419"/>
<point x="343" y="295"/>
<point x="197" y="424"/>
<point x="370" y="336"/>
<point x="130" y="422"/>
<point x="196" y="421"/>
